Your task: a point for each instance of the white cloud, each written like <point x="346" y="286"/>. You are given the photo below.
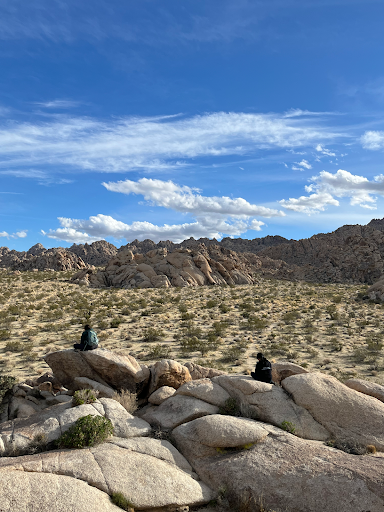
<point x="213" y="216"/>
<point x="373" y="140"/>
<point x="166" y="142"/>
<point x="187" y="200"/>
<point x="324" y="151"/>
<point x="101" y="226"/>
<point x="326" y="186"/>
<point x="304" y="164"/>
<point x="18" y="234"/>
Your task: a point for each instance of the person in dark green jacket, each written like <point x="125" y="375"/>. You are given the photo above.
<point x="88" y="340"/>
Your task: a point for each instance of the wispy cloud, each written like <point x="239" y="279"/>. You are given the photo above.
<point x="327" y="186"/>
<point x="58" y="104"/>
<point x="42" y="177"/>
<point x="153" y="143"/>
<point x="304" y="164"/>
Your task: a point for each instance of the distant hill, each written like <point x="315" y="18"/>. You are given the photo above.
<point x="351" y="254"/>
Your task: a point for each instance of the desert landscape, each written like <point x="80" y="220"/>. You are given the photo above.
<point x="323" y="327"/>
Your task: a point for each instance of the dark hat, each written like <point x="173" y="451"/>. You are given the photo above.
<point x="259" y="355"/>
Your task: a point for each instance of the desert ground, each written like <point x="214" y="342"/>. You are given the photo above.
<point x="323" y="327"/>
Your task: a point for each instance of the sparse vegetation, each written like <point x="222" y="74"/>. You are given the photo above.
<point x="121" y="501"/>
<point x="84" y="396"/>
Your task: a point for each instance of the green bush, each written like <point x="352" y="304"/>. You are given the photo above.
<point x="288" y="426"/>
<point x="14" y="346"/>
<point x="6" y="383"/>
<point x="231" y="407"/>
<point x="152" y="334"/>
<point x="211" y="304"/>
<point x="159" y="352"/>
<point x="84" y="396"/>
<point x="5" y="334"/>
<point x="87" y="431"/>
<point x="121" y="501"/>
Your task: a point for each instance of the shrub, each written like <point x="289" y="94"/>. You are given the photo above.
<point x="152" y="334"/>
<point x="121" y="501"/>
<point x="87" y="431"/>
<point x="14" y="346"/>
<point x="84" y="396"/>
<point x="5" y="334"/>
<point x="224" y="308"/>
<point x="290" y="317"/>
<point x="231" y="407"/>
<point x="348" y="446"/>
<point x="255" y="323"/>
<point x="288" y="426"/>
<point x="6" y="384"/>
<point x="211" y="304"/>
<point x="127" y="399"/>
<point x="159" y="352"/>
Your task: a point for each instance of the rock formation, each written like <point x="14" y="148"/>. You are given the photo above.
<point x="97" y="253"/>
<point x="272" y="454"/>
<point x="39" y="258"/>
<point x="182" y="267"/>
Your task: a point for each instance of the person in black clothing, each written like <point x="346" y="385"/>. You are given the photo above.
<point x="263" y="370"/>
<point x="83" y="345"/>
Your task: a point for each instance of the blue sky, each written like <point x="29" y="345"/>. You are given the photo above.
<point x="170" y="119"/>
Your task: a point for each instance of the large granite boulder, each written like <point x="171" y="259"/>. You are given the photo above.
<point x="271" y="404"/>
<point x="344" y="412"/>
<point x="206" y="390"/>
<point x="22" y="491"/>
<point x="178" y="409"/>
<point x="148" y="481"/>
<point x="168" y="373"/>
<point x="282" y="370"/>
<point x="103" y="366"/>
<point x="285" y="472"/>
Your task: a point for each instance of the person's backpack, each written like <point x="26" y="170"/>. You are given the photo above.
<point x="92" y="340"/>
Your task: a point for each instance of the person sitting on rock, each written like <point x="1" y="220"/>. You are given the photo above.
<point x="88" y="340"/>
<point x="263" y="370"/>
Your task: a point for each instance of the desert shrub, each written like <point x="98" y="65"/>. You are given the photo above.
<point x="290" y="316"/>
<point x="348" y="446"/>
<point x="152" y="334"/>
<point x="232" y="354"/>
<point x="103" y="324"/>
<point x="5" y="334"/>
<point x="224" y="308"/>
<point x="187" y="316"/>
<point x="87" y="431"/>
<point x="336" y="345"/>
<point x="115" y="322"/>
<point x="288" y="426"/>
<point x="159" y="352"/>
<point x="375" y="343"/>
<point x="219" y="328"/>
<point x="231" y="407"/>
<point x="191" y="330"/>
<point x="6" y="384"/>
<point x="211" y="304"/>
<point x="84" y="396"/>
<point x="14" y="346"/>
<point x="127" y="399"/>
<point x="183" y="308"/>
<point x="255" y="323"/>
<point x="121" y="501"/>
<point x="332" y="311"/>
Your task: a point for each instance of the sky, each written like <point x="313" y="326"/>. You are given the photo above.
<point x="123" y="120"/>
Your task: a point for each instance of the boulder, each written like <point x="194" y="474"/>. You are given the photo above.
<point x="271" y="404"/>
<point x="282" y="370"/>
<point x="366" y="387"/>
<point x="206" y="390"/>
<point x="125" y="425"/>
<point x="161" y="394"/>
<point x="39" y="492"/>
<point x="201" y="437"/>
<point x="201" y="372"/>
<point x="84" y="383"/>
<point x="149" y="482"/>
<point x="21" y="408"/>
<point x="168" y="373"/>
<point x="289" y="473"/>
<point x="344" y="412"/>
<point x="103" y="366"/>
<point x="178" y="409"/>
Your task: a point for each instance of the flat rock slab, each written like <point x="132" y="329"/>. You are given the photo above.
<point x="38" y="492"/>
<point x="294" y="474"/>
<point x="282" y="370"/>
<point x="206" y="390"/>
<point x="147" y="481"/>
<point x="344" y="412"/>
<point x="366" y="387"/>
<point x="85" y="383"/>
<point x="177" y="410"/>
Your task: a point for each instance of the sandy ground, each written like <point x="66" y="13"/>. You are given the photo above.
<point x="325" y="328"/>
